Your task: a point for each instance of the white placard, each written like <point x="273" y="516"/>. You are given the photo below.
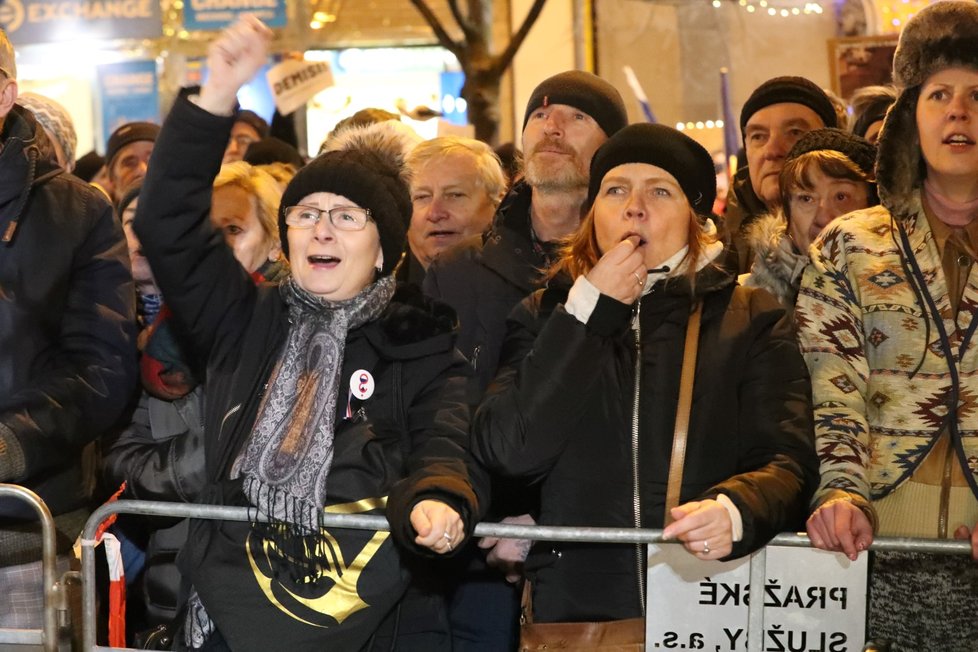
<point x="294" y="82"/>
<point x="446" y="128"/>
<point x="813" y="601"/>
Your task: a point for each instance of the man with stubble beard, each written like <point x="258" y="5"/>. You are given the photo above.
<point x="567" y="118"/>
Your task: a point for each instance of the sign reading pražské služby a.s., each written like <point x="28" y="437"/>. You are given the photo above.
<point x="814" y="601"/>
<point x="45" y="21"/>
<point x="218" y="14"/>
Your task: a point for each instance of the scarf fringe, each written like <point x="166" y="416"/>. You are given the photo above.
<point x="295" y="530"/>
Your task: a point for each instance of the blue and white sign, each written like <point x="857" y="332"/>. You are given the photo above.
<point x="128" y="93"/>
<point x="45" y="21"/>
<point x="218" y="14"/>
<point x="453" y="107"/>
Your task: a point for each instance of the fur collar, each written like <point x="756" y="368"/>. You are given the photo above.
<point x="777" y="266"/>
<point x="413" y="325"/>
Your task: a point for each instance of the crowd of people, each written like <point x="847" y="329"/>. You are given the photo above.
<point x="408" y="328"/>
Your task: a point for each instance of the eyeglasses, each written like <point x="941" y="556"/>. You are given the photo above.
<point x="243" y="141"/>
<point x="344" y="218"/>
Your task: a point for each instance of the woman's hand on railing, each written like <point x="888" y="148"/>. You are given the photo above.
<point x="964" y="533"/>
<point x="439" y="527"/>
<point x="704" y="527"/>
<point x="839" y="525"/>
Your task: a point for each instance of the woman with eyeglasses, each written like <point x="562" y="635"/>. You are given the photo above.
<point x="334" y="392"/>
<point x="826" y="174"/>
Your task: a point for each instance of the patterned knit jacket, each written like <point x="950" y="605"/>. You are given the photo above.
<point x="881" y="378"/>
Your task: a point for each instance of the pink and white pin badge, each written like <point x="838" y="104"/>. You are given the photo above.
<point x="362" y="384"/>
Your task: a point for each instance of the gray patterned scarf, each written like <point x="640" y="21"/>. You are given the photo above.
<point x="287" y="459"/>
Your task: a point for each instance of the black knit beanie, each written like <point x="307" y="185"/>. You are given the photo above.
<point x="272" y="150"/>
<point x="368" y="180"/>
<point x="664" y="147"/>
<point x="253" y="120"/>
<point x="583" y="91"/>
<point x="131" y="132"/>
<point x="859" y="150"/>
<point x="793" y="90"/>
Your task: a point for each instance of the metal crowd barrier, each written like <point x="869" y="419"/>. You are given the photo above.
<point x="56" y="620"/>
<point x="535" y="532"/>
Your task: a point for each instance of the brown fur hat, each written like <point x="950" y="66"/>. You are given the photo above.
<point x="940" y="36"/>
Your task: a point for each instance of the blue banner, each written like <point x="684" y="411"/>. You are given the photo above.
<point x="128" y="93"/>
<point x="218" y="14"/>
<point x="453" y="107"/>
<point x="44" y="21"/>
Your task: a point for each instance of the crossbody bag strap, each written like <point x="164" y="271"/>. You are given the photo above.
<point x="682" y="411"/>
<point x="526" y="604"/>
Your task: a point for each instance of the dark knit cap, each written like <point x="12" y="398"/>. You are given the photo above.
<point x="664" y="147"/>
<point x="88" y="166"/>
<point x="253" y="120"/>
<point x="859" y="150"/>
<point x="583" y="91"/>
<point x="273" y="150"/>
<point x="131" y="132"/>
<point x="367" y="179"/>
<point x="792" y="90"/>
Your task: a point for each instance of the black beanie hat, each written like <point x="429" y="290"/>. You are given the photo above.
<point x="273" y="150"/>
<point x="793" y="90"/>
<point x="131" y="132"/>
<point x="664" y="147"/>
<point x="253" y="120"/>
<point x="367" y="179"/>
<point x="583" y="91"/>
<point x="856" y="148"/>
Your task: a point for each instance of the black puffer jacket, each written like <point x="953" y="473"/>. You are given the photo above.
<point x="405" y="443"/>
<point x="561" y="413"/>
<point x="483" y="277"/>
<point x="67" y="327"/>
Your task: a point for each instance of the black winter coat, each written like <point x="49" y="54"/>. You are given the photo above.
<point x="560" y="413"/>
<point x="483" y="278"/>
<point x="405" y="443"/>
<point x="67" y="324"/>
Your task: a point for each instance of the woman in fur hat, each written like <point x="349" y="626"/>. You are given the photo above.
<point x="826" y="174"/>
<point x="887" y="314"/>
<point x="585" y="399"/>
<point x="331" y="392"/>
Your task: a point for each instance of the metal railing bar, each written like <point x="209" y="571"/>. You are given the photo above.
<point x="503" y="530"/>
<point x="20" y="637"/>
<point x="755" y="610"/>
<point x="49" y="569"/>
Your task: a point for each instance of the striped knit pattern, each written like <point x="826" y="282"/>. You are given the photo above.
<point x="862" y="333"/>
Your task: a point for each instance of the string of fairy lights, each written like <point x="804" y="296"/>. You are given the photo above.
<point x="774" y="8"/>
